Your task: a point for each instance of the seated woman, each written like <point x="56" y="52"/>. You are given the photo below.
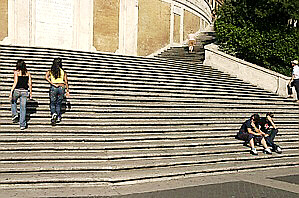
<point x="250" y="132"/>
<point x="268" y="127"/>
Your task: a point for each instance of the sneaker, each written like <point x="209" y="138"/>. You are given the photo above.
<point x="53" y="119"/>
<point x="253" y="151"/>
<point x="278" y="150"/>
<point x="245" y="143"/>
<point x="23" y="128"/>
<point x="268" y="151"/>
<point x="58" y="119"/>
<point x="15" y="119"/>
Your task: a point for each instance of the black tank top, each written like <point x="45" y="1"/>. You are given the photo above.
<point x="22" y="82"/>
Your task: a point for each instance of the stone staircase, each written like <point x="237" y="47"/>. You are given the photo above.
<point x="181" y="52"/>
<point x="133" y="119"/>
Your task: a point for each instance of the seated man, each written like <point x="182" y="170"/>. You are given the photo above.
<point x="250" y="132"/>
<point x="268" y="127"/>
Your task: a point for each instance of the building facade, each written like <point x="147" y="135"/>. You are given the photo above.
<point x="131" y="27"/>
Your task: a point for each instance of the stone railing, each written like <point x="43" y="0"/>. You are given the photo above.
<point x="248" y="72"/>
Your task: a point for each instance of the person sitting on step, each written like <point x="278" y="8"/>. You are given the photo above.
<point x="268" y="127"/>
<point x="250" y="132"/>
<point x="57" y="77"/>
<point x="22" y="81"/>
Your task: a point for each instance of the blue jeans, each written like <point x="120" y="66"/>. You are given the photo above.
<point x="296" y="84"/>
<point x="56" y="97"/>
<point x="22" y="94"/>
<point x="270" y="139"/>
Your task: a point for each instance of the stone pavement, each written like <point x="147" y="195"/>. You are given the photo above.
<point x="272" y="183"/>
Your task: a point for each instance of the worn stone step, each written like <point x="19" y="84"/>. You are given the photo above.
<point x="170" y="114"/>
<point x="143" y="174"/>
<point x="126" y="153"/>
<point x="125" y="164"/>
<point x="132" y="129"/>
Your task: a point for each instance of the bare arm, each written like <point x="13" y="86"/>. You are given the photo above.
<point x="252" y="132"/>
<point x="293" y="76"/>
<point x="257" y="131"/>
<point x="14" y="84"/>
<point x="272" y="122"/>
<point x="66" y="85"/>
<point x="66" y="82"/>
<point x="30" y="85"/>
<point x="47" y="77"/>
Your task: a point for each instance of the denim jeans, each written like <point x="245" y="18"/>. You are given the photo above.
<point x="296" y="84"/>
<point x="22" y="94"/>
<point x="56" y="97"/>
<point x="270" y="139"/>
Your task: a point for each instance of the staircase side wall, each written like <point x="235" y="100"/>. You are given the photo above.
<point x="153" y="26"/>
<point x="248" y="72"/>
<point x="129" y="27"/>
<point x="106" y="25"/>
<point x="3" y="19"/>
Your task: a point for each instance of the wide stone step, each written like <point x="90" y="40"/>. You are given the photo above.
<point x="142" y="114"/>
<point x="62" y="148"/>
<point x="86" y="74"/>
<point x="53" y="53"/>
<point x="93" y="98"/>
<point x="122" y="123"/>
<point x="205" y="91"/>
<point x="157" y="105"/>
<point x="195" y="134"/>
<point x="80" y="64"/>
<point x="104" y="141"/>
<point x="96" y="164"/>
<point x="41" y="62"/>
<point x="133" y="129"/>
<point x="131" y="175"/>
<point x="41" y="86"/>
<point x="134" y="78"/>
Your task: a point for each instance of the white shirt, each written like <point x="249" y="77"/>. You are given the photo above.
<point x="191" y="37"/>
<point x="296" y="72"/>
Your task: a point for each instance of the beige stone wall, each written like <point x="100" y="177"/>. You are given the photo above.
<point x="3" y="19"/>
<point x="191" y="23"/>
<point x="106" y="25"/>
<point x="176" y="31"/>
<point x="153" y="26"/>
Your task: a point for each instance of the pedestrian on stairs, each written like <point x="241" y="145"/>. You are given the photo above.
<point x="250" y="132"/>
<point x="295" y="78"/>
<point x="22" y="81"/>
<point x="57" y="77"/>
<point x="268" y="127"/>
<point x="191" y="41"/>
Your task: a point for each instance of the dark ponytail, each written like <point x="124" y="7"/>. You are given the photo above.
<point x="55" y="69"/>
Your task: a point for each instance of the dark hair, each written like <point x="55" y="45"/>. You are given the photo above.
<point x="255" y="117"/>
<point x="59" y="62"/>
<point x="270" y="114"/>
<point x="56" y="66"/>
<point x="21" y="66"/>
